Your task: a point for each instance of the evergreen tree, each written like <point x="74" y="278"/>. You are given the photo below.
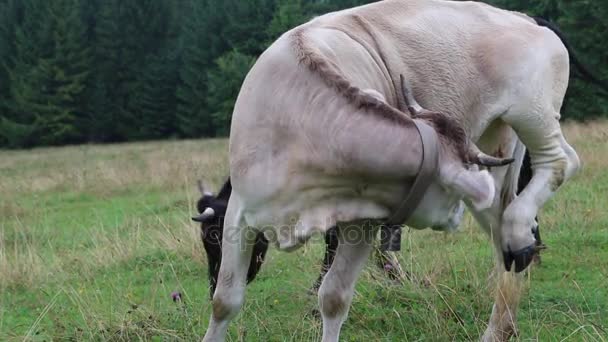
<point x="30" y="37"/>
<point x="12" y="133"/>
<point x="247" y="36"/>
<point x="224" y="85"/>
<point x="68" y="68"/>
<point x="198" y="38"/>
<point x="156" y="102"/>
<point x="288" y="14"/>
<point x="7" y="26"/>
<point x="106" y="102"/>
<point x="52" y="72"/>
<point x="585" y="27"/>
<point x="115" y="70"/>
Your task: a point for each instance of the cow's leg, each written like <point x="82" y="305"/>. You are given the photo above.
<point x="503" y="321"/>
<point x="259" y="253"/>
<point x="386" y="257"/>
<point x="331" y="244"/>
<point x="237" y="246"/>
<point x="211" y="237"/>
<point x="336" y="292"/>
<point x="500" y="139"/>
<point x="553" y="162"/>
<point x="509" y="285"/>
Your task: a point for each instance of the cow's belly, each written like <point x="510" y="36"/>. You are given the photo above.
<point x="313" y="204"/>
<point x="290" y="227"/>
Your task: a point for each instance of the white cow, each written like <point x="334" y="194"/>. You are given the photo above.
<point x="321" y="136"/>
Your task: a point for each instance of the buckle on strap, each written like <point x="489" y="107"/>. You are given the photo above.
<point x="426" y="173"/>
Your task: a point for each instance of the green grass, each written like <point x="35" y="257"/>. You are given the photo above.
<point x="94" y="239"/>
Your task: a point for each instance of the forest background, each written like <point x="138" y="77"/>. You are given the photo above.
<point x="99" y="71"/>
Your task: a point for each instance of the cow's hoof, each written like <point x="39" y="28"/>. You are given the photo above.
<point x="522" y="258"/>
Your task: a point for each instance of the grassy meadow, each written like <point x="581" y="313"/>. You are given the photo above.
<point x="94" y="239"/>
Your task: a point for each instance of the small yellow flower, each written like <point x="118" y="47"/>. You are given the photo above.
<point x="276" y="301"/>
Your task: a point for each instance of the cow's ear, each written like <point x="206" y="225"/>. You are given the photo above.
<point x="477" y="187"/>
<point x="482" y="189"/>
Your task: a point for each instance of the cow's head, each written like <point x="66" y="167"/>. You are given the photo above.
<point x="212" y="209"/>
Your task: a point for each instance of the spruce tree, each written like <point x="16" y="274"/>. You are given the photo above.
<point x="224" y="85"/>
<point x="7" y="25"/>
<point x="247" y="36"/>
<point x="197" y="38"/>
<point x="288" y="14"/>
<point x="51" y="70"/>
<point x="106" y="102"/>
<point x="30" y="43"/>
<point x="156" y="101"/>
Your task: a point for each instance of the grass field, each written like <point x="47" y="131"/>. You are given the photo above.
<point x="94" y="239"/>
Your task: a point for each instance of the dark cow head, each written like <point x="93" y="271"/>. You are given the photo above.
<point x="212" y="209"/>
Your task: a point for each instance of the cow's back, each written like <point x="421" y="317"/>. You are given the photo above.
<point x="458" y="56"/>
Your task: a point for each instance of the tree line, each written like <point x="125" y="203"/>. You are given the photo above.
<point x="79" y="71"/>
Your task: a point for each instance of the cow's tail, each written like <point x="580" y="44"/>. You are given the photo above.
<point x="310" y="56"/>
<point x="585" y="74"/>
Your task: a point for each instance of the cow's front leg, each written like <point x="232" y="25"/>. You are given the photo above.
<point x="237" y="247"/>
<point x="336" y="292"/>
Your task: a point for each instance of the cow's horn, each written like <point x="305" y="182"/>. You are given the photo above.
<point x="412" y="105"/>
<point x="489" y="161"/>
<point x="207" y="214"/>
<point x="480" y="158"/>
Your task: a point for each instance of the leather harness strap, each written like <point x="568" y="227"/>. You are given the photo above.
<point x="426" y="173"/>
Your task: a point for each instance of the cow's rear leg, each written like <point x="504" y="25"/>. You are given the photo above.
<point x="336" y="292"/>
<point x="237" y="246"/>
<point x="554" y="161"/>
